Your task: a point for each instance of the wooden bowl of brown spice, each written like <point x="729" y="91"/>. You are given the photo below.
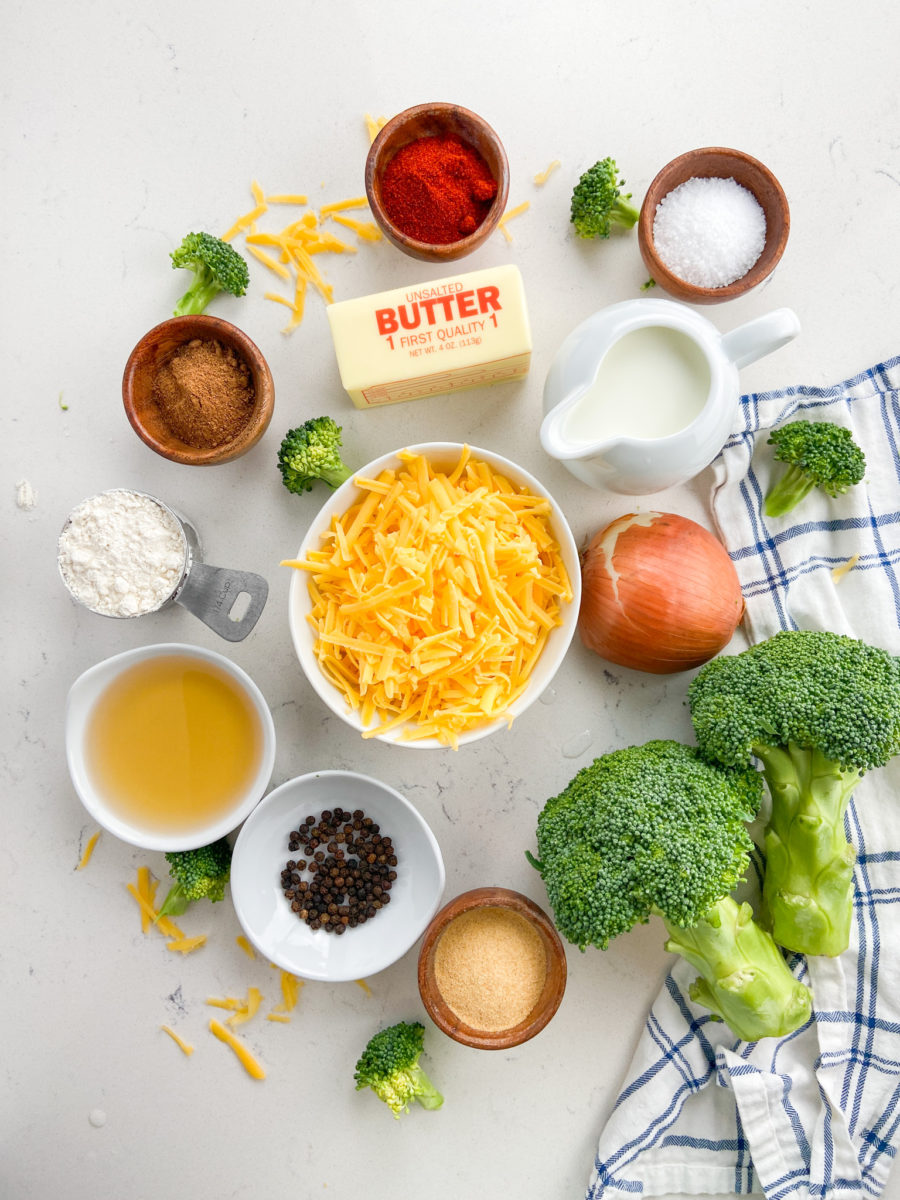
<point x="198" y="391"/>
<point x="492" y="969"/>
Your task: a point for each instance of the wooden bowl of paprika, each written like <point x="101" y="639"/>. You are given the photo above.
<point x="198" y="391"/>
<point x="437" y="181"/>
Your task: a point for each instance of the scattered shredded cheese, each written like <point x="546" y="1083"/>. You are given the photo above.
<point x="182" y="1045"/>
<point x="367" y="230"/>
<point x="508" y="216"/>
<point x="287" y="198"/>
<point x="234" y="1003"/>
<point x="249" y="1008"/>
<point x="365" y="987"/>
<point x="88" y="851"/>
<point x="245" y="946"/>
<point x="185" y="945"/>
<point x="838" y="573"/>
<point x="433" y="596"/>
<point x="165" y="925"/>
<point x="246" y="1059"/>
<point x="290" y="990"/>
<point x="341" y="205"/>
<point x="542" y="176"/>
<point x="374" y="125"/>
<point x="277" y="1016"/>
<point x="289" y="252"/>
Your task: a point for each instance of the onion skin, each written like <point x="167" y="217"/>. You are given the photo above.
<point x="659" y="594"/>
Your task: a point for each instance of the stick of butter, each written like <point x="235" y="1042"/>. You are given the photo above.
<point x="460" y="332"/>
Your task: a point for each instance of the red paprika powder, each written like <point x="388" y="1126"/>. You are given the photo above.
<point x="437" y="189"/>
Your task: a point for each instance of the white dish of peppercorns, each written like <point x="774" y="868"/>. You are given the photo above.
<point x="335" y="876"/>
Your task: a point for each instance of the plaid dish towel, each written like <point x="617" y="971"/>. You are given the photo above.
<point x="816" y="1113"/>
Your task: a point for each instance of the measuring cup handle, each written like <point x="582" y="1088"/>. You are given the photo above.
<point x="210" y="593"/>
<point x="760" y="337"/>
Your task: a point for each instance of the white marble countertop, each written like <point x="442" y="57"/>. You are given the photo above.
<point x="125" y="126"/>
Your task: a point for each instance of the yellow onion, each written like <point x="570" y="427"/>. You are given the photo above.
<point x="659" y="593"/>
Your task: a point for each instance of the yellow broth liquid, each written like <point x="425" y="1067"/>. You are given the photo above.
<point x="172" y="744"/>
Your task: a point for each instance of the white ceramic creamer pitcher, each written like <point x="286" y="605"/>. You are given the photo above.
<point x="643" y="395"/>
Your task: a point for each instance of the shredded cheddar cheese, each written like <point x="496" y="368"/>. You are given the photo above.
<point x="182" y="1045"/>
<point x="374" y="125"/>
<point x="289" y="252"/>
<point x="245" y="1058"/>
<point x="277" y="1016"/>
<point x="88" y="851"/>
<point x="249" y="1007"/>
<point x="234" y="1003"/>
<point x="508" y="216"/>
<point x="839" y="572"/>
<point x="432" y="597"/>
<point x="184" y="945"/>
<point x="245" y="946"/>
<point x="342" y="205"/>
<point x="149" y="915"/>
<point x="367" y="230"/>
<point x="365" y="987"/>
<point x="542" y="176"/>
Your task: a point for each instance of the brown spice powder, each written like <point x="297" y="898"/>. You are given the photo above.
<point x="490" y="967"/>
<point x="204" y="393"/>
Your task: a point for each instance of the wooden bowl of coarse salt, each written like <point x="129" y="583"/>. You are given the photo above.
<point x="713" y="225"/>
<point x="492" y="969"/>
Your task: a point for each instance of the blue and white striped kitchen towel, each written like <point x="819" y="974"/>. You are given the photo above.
<point x="815" y="1114"/>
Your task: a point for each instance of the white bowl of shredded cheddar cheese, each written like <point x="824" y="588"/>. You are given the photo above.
<point x="435" y="596"/>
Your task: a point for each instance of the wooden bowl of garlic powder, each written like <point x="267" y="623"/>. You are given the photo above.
<point x="492" y="969"/>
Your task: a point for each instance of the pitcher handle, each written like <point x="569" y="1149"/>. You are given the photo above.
<point x="760" y="337"/>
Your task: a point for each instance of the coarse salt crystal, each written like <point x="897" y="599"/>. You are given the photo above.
<point x="709" y="231"/>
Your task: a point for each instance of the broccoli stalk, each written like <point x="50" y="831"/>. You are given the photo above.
<point x="217" y="268"/>
<point x="199" y="874"/>
<point x="818" y="454"/>
<point x="655" y="829"/>
<point x="743" y="977"/>
<point x="311" y="452"/>
<point x="598" y="203"/>
<point x="389" y="1065"/>
<point x="818" y="710"/>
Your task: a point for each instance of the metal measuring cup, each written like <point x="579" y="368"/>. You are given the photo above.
<point x="210" y="593"/>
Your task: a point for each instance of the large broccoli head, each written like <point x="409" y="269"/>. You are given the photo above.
<point x="389" y="1065"/>
<point x="598" y="202"/>
<point x="819" y="710"/>
<point x="818" y="454"/>
<point x="311" y="452"/>
<point x="650" y="828"/>
<point x="657" y="829"/>
<point x="818" y="690"/>
<point x="217" y="267"/>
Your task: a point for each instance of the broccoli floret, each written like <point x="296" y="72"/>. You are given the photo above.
<point x="819" y="454"/>
<point x="656" y="829"/>
<point x="311" y="452"/>
<point x="598" y="203"/>
<point x="389" y="1065"/>
<point x="199" y="874"/>
<point x="217" y="268"/>
<point x="819" y="710"/>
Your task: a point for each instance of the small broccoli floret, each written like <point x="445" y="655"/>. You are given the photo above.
<point x="389" y="1065"/>
<point x="311" y="452"/>
<point x="199" y="874"/>
<point x="598" y="203"/>
<point x="217" y="268"/>
<point x="819" y="454"/>
<point x="656" y="829"/>
<point x="819" y="710"/>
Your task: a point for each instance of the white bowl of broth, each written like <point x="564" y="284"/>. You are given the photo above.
<point x="169" y="746"/>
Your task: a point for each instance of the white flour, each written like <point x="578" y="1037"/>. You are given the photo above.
<point x="121" y="554"/>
